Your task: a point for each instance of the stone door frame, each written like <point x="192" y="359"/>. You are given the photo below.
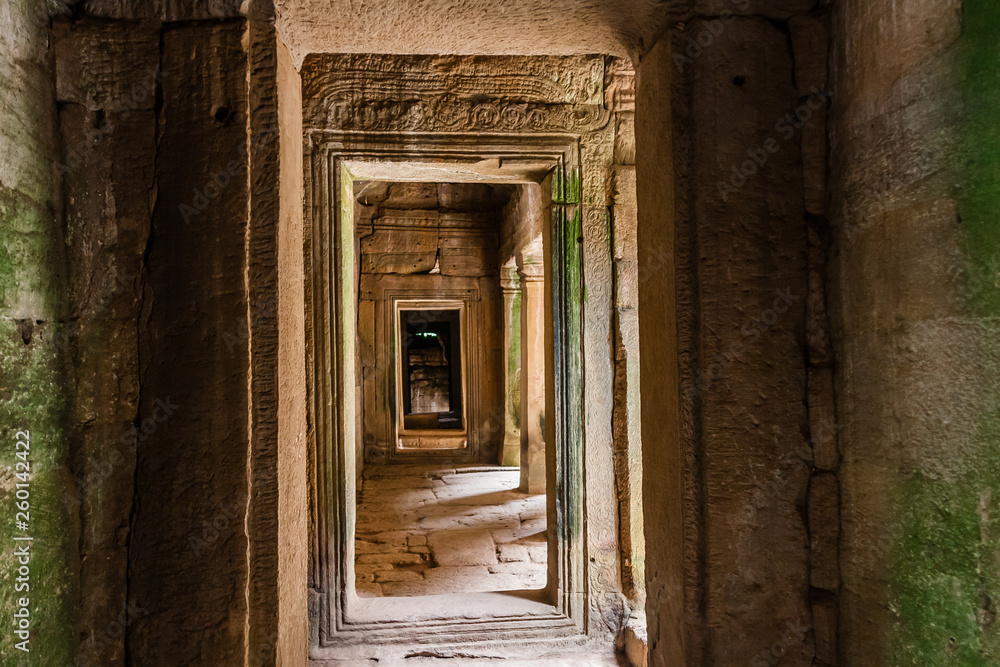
<point x="467" y="303"/>
<point x="334" y="160"/>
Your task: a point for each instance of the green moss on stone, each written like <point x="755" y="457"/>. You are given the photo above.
<point x="979" y="201"/>
<point x="34" y="399"/>
<point x="33" y="386"/>
<point x="944" y="574"/>
<point x="514" y="362"/>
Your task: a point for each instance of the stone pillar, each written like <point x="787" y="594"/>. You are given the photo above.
<point x="510" y="284"/>
<point x="532" y="377"/>
<point x="669" y="631"/>
<point x="626" y="418"/>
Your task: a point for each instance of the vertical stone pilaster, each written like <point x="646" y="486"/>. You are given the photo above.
<point x="510" y="285"/>
<point x="532" y="277"/>
<point x="626" y="416"/>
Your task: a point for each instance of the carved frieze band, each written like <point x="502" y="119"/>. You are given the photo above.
<point x="503" y="94"/>
<point x="542" y="79"/>
<point x="451" y="114"/>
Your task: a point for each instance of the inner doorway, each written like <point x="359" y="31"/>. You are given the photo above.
<point x="451" y="320"/>
<point x="430" y="369"/>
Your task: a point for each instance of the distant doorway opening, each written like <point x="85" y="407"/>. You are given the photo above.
<point x="430" y="375"/>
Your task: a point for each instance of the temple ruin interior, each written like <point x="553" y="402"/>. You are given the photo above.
<point x="455" y="332"/>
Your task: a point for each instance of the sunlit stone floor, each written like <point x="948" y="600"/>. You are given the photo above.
<point x="428" y="530"/>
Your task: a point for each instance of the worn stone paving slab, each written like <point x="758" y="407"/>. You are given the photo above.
<point x="430" y="530"/>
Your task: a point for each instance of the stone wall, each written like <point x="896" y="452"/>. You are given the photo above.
<point x="168" y="166"/>
<point x="915" y="139"/>
<point x="740" y="467"/>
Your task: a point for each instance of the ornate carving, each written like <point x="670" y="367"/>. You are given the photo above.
<point x="448" y="113"/>
<point x="552" y="80"/>
<point x="597" y="151"/>
<point x="449" y="94"/>
<point x="619" y="85"/>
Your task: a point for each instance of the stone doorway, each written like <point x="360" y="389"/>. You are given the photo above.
<point x="551" y="140"/>
<point x="451" y="353"/>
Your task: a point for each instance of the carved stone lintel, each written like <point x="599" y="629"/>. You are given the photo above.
<point x="554" y="79"/>
<point x="436" y="94"/>
<point x="450" y="114"/>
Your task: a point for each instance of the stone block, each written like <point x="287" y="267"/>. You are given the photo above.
<point x="825" y="621"/>
<point x="625" y="138"/>
<point x="398" y="250"/>
<point x="823" y="419"/>
<point x="165" y="10"/>
<point x="470" y="196"/>
<point x="538" y="553"/>
<point x="412" y="196"/>
<point x="365" y="547"/>
<point x="519" y="569"/>
<point x="772" y="9"/>
<point x="197" y="268"/>
<point x="459" y="579"/>
<point x="814" y="161"/>
<point x="750" y="258"/>
<point x="624" y="192"/>
<point x="397" y="575"/>
<point x="394" y="559"/>
<point x="818" y="336"/>
<point x="634" y="641"/>
<point x="619" y="85"/>
<point x="467" y="261"/>
<point x="626" y="284"/>
<point x="404" y="588"/>
<point x="512" y="553"/>
<point x="463" y="548"/>
<point x="107" y="66"/>
<point x="810" y="47"/>
<point x="824" y="531"/>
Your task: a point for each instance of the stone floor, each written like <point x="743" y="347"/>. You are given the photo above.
<point x="428" y="530"/>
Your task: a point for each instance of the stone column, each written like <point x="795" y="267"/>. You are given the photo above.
<point x="510" y="284"/>
<point x="532" y="377"/>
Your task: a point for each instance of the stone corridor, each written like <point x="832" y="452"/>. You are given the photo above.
<point x="432" y="529"/>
